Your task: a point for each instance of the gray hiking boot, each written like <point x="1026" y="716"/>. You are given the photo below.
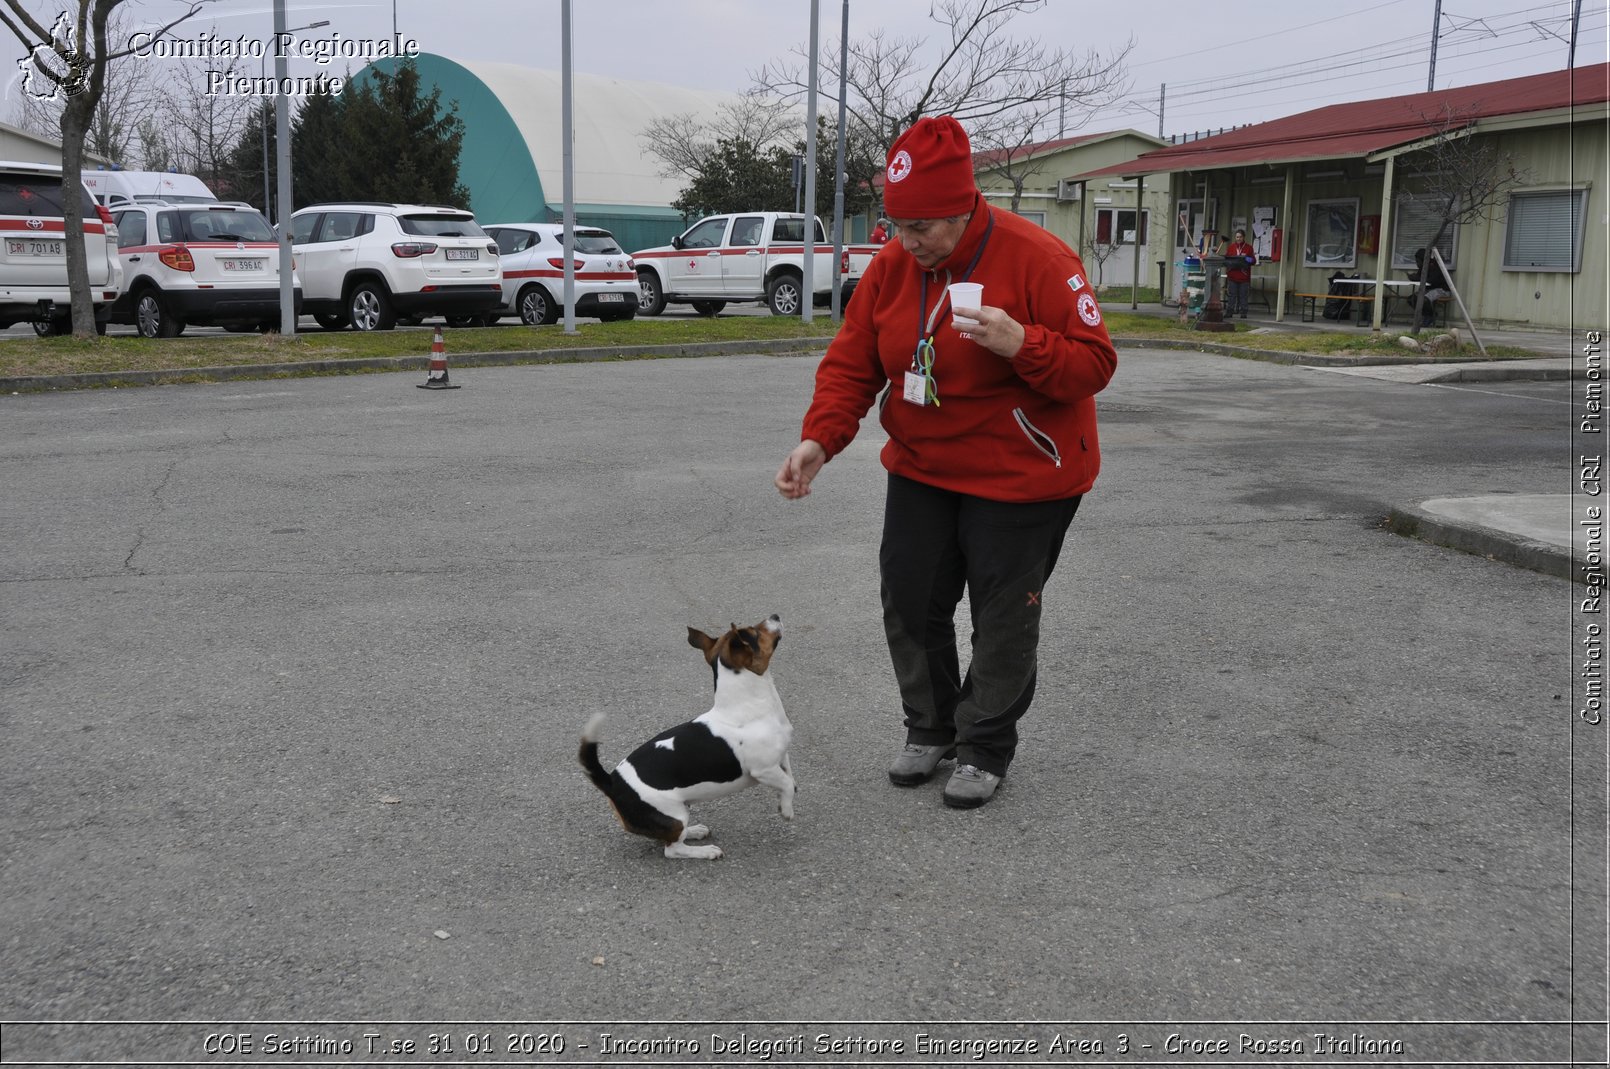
<point x="916" y="763"/>
<point x="970" y="787"/>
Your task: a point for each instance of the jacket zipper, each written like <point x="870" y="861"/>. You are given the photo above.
<point x="1041" y="440"/>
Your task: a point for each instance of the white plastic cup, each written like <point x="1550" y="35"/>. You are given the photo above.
<point x="965" y="295"/>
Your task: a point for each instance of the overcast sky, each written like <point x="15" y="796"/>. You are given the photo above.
<point x="1224" y="63"/>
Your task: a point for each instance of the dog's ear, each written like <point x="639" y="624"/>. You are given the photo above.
<point x="700" y="641"/>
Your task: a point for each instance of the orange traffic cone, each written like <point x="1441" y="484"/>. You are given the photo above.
<point x="436" y="378"/>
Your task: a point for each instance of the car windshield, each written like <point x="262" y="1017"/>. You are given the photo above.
<point x="225" y="226"/>
<point x="596" y="243"/>
<point x="441" y="226"/>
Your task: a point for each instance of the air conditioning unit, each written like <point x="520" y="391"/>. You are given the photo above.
<point x="1067" y="190"/>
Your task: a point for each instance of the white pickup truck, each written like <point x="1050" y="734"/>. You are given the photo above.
<point x="745" y="256"/>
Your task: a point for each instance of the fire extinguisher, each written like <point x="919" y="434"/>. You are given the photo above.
<point x="1274" y="245"/>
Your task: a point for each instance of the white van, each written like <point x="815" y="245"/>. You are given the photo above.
<point x="120" y="188"/>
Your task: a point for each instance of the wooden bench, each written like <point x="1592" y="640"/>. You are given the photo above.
<point x="1309" y="299"/>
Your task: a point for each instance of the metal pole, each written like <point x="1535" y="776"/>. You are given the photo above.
<point x="282" y="135"/>
<point x="1576" y="20"/>
<point x="1162" y="95"/>
<point x="568" y="133"/>
<point x="1140" y="201"/>
<point x="808" y="297"/>
<point x="1436" y="34"/>
<point x="838" y="175"/>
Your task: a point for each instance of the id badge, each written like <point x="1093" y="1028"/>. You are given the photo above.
<point x="916" y="389"/>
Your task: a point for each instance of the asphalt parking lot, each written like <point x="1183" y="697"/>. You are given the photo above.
<point x="296" y="669"/>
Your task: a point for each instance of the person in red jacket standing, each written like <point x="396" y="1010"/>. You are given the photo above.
<point x="1239" y="257"/>
<point x="992" y="445"/>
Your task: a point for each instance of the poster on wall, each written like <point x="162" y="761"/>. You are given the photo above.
<point x="1263" y="230"/>
<point x="1330" y="238"/>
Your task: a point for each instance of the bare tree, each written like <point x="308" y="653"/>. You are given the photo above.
<point x="1098" y="252"/>
<point x="1459" y="176"/>
<point x="70" y="59"/>
<point x="995" y="86"/>
<point x="686" y="143"/>
<point x="204" y="127"/>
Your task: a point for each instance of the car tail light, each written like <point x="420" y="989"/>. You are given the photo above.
<point x="844" y="262"/>
<point x="492" y="247"/>
<point x="177" y="257"/>
<point x="558" y="263"/>
<point x="407" y="250"/>
<point x="106" y="216"/>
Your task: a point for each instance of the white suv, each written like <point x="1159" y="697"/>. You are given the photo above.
<point x="33" y="258"/>
<point x="534" y="273"/>
<point x="211" y="264"/>
<point x="363" y="264"/>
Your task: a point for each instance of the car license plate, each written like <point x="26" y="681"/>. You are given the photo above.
<point x="29" y="247"/>
<point x="463" y="254"/>
<point x="611" y="298"/>
<point x="241" y="265"/>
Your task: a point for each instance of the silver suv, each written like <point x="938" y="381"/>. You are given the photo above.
<point x="33" y="250"/>
<point x="365" y="264"/>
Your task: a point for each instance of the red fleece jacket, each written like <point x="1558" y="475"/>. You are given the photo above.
<point x="1009" y="430"/>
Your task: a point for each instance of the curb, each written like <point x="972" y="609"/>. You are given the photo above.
<point x="1281" y="356"/>
<point x="1482" y="541"/>
<point x="359" y="365"/>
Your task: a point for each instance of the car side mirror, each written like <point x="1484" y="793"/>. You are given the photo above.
<point x="676" y="242"/>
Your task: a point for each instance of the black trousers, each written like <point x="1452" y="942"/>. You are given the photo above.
<point x="936" y="543"/>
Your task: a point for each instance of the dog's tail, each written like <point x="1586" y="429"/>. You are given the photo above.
<point x="588" y="754"/>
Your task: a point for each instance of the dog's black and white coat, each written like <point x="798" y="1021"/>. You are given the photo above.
<point x="741" y="741"/>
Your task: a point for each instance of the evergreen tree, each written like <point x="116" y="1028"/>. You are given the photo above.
<point x="317" y="152"/>
<point x="739" y="177"/>
<point x="399" y="145"/>
<point x="380" y="139"/>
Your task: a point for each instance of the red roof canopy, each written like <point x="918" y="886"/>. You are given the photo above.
<point x="1367" y="126"/>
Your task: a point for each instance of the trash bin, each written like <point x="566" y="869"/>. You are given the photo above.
<point x="1194" y="278"/>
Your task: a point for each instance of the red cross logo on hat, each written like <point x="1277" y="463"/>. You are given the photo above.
<point x="900" y="166"/>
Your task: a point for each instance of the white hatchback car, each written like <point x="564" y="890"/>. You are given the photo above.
<point x="210" y="264"/>
<point x="534" y="273"/>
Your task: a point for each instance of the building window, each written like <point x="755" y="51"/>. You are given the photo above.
<point x="1116" y="226"/>
<point x="1544" y="232"/>
<point x="1037" y="218"/>
<point x="1413" y="226"/>
<point x="1330" y="240"/>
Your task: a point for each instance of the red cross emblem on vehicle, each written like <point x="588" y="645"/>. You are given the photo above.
<point x="693" y="265"/>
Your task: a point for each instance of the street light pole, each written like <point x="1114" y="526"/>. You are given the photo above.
<point x="282" y="145"/>
<point x="262" y="114"/>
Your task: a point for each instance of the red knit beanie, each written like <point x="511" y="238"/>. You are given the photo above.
<point x="930" y="173"/>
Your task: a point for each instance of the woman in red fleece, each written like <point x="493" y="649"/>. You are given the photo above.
<point x="992" y="444"/>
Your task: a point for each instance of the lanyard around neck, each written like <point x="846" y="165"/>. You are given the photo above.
<point x="925" y="321"/>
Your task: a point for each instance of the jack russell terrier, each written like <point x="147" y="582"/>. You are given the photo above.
<point x="743" y="740"/>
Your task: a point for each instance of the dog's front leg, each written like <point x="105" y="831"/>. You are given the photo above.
<point x="781" y="780"/>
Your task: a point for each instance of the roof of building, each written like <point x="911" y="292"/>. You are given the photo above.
<point x="1364" y="127"/>
<point x="512" y="155"/>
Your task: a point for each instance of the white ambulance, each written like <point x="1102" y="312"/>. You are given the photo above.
<point x="117" y="189"/>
